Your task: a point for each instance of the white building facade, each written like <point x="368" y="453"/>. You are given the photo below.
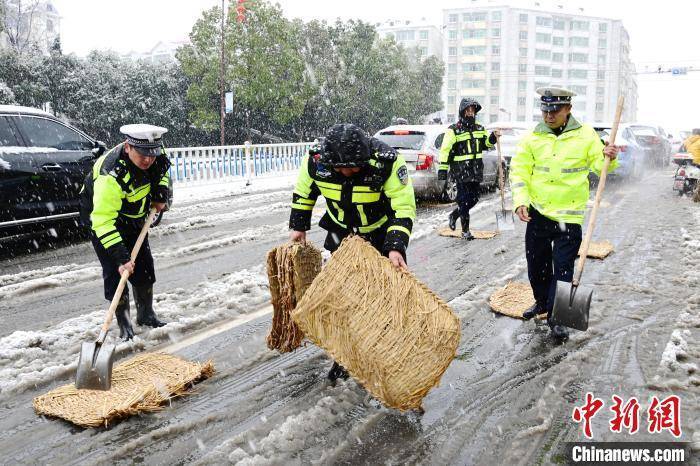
<point x="30" y="25"/>
<point x="500" y="55"/>
<point x="418" y="36"/>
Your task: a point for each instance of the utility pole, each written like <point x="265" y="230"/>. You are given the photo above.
<point x="221" y="73"/>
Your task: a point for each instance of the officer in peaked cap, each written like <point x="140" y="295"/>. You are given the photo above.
<point x="116" y="198"/>
<point x="549" y="181"/>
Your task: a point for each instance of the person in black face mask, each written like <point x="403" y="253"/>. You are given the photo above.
<point x="460" y="153"/>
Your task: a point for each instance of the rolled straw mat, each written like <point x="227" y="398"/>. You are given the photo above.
<point x="599" y="250"/>
<point x="512" y="300"/>
<point x="141" y="384"/>
<point x="291" y="268"/>
<point x="391" y="333"/>
<point x="478" y="234"/>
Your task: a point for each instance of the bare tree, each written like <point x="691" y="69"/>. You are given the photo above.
<point x="20" y="22"/>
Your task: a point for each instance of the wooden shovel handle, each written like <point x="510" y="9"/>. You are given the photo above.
<point x="125" y="276"/>
<point x="598" y="195"/>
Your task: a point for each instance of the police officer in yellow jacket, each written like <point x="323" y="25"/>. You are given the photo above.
<point x="368" y="192"/>
<point x="461" y="153"/>
<point x="116" y="199"/>
<point x="549" y="180"/>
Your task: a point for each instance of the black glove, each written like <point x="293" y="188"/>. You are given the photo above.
<point x="492" y="138"/>
<point x="442" y="175"/>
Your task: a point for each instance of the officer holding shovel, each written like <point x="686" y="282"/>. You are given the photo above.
<point x="549" y="180"/>
<point x="116" y="198"/>
<point x="368" y="193"/>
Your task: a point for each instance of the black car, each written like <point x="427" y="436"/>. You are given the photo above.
<point x="43" y="163"/>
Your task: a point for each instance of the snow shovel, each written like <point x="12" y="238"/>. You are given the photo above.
<point x="96" y="359"/>
<point x="572" y="301"/>
<point x="504" y="218"/>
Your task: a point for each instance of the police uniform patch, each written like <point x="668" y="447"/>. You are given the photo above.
<point x="402" y="173"/>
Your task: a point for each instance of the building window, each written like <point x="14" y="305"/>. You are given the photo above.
<point x="543" y="54"/>
<point x="578" y="41"/>
<point x="578" y="57"/>
<point x="522" y="85"/>
<point x="495" y="50"/>
<point x="523" y="18"/>
<point x="543" y="21"/>
<point x="522" y="68"/>
<point x="559" y="24"/>
<point x="452" y="51"/>
<point x="543" y="38"/>
<point x="603" y="27"/>
<point x="542" y="71"/>
<point x="476" y="16"/>
<point x="556" y="73"/>
<point x="578" y="74"/>
<point x="521" y="117"/>
<point x="579" y="90"/>
<point x="424" y="35"/>
<point x="450" y="100"/>
<point x="494" y="82"/>
<point x="579" y="25"/>
<point x="495" y="15"/>
<point x="473" y="83"/>
<point x="601" y="74"/>
<point x="523" y="51"/>
<point x="495" y="66"/>
<point x="601" y="59"/>
<point x="599" y="106"/>
<point x="602" y="43"/>
<point x="452" y="68"/>
<point x="450" y="117"/>
<point x="405" y="35"/>
<point x="452" y="34"/>
<point x="558" y="57"/>
<point x="600" y="91"/>
<point x="452" y="18"/>
<point x="391" y="35"/>
<point x="494" y="100"/>
<point x="452" y="84"/>
<point x="493" y="117"/>
<point x="474" y="33"/>
<point x="558" y="41"/>
<point x="523" y="35"/>
<point x="423" y="51"/>
<point x="467" y="67"/>
<point x="521" y="100"/>
<point x="474" y="50"/>
<point x="496" y="32"/>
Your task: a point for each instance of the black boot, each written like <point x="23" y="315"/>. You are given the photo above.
<point x="337" y="372"/>
<point x="143" y="297"/>
<point x="122" y="312"/>
<point x="533" y="311"/>
<point x="454" y="215"/>
<point x="466" y="234"/>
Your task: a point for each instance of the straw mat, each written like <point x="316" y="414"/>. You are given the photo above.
<point x="478" y="234"/>
<point x="512" y="300"/>
<point x="141" y="384"/>
<point x="291" y="268"/>
<point x="599" y="250"/>
<point x="392" y="334"/>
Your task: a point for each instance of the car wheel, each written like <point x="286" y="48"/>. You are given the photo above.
<point x="157" y="219"/>
<point x="449" y="193"/>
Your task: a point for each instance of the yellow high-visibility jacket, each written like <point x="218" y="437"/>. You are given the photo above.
<point x="692" y="145"/>
<point x="461" y="151"/>
<point x="550" y="172"/>
<point x="379" y="196"/>
<point x="117" y="195"/>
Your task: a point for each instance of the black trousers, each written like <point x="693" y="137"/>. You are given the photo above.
<point x="467" y="196"/>
<point x="144" y="271"/>
<point x="376" y="239"/>
<point x="551" y="249"/>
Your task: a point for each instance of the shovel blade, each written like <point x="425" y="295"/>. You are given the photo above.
<point x="572" y="305"/>
<point x="95" y="367"/>
<point x="505" y="220"/>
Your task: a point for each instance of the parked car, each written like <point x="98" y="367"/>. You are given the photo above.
<point x="420" y="146"/>
<point x="655" y="144"/>
<point x="632" y="156"/>
<point x="511" y="134"/>
<point x="43" y="163"/>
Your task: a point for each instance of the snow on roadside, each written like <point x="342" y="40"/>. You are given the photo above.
<point x="28" y="358"/>
<point x="195" y="208"/>
<point x="212" y="189"/>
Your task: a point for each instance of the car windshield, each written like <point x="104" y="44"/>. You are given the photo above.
<point x="413" y="140"/>
<point x="602" y="132"/>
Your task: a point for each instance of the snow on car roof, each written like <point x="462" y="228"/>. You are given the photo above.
<point x="21" y="109"/>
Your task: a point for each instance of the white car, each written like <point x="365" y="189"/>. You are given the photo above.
<point x="511" y="134"/>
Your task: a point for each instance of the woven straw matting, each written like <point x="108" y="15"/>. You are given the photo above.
<point x="391" y="333"/>
<point x="513" y="299"/>
<point x="478" y="234"/>
<point x="599" y="250"/>
<point x="291" y="268"/>
<point x="141" y="384"/>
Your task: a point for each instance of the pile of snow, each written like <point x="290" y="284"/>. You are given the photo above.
<point x="4" y="164"/>
<point x="212" y="189"/>
<point x="28" y="358"/>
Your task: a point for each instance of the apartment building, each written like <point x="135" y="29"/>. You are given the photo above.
<point x="30" y="25"/>
<point x="418" y="36"/>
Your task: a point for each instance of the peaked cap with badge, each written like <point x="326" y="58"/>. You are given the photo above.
<point x="552" y="97"/>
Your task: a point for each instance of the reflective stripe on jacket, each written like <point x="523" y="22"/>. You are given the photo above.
<point x="461" y="143"/>
<point x="550" y="172"/>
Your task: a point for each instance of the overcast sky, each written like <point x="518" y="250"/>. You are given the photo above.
<point x="661" y="33"/>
